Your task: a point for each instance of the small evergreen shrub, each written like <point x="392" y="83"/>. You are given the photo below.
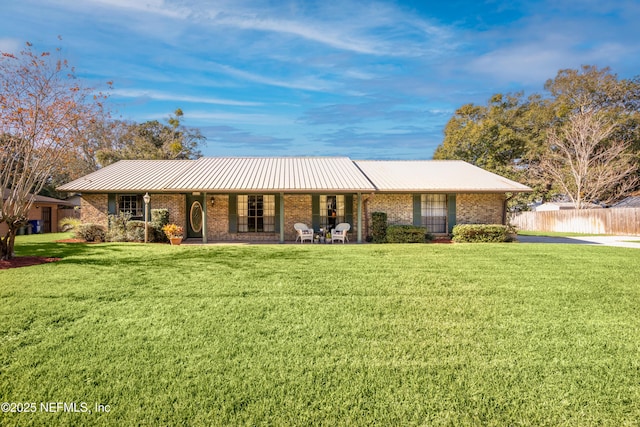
<point x="69" y="224"/>
<point x="118" y="227"/>
<point x="486" y="233"/>
<point x="378" y="227"/>
<point x="407" y="234"/>
<point x="135" y="231"/>
<point x="91" y="232"/>
<point x="159" y="218"/>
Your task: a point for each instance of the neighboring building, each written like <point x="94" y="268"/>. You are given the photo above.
<point x="561" y="206"/>
<point x="633" y="201"/>
<point x="261" y="198"/>
<point x="47" y="210"/>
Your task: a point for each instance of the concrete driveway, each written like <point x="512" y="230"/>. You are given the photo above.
<point x="619" y="241"/>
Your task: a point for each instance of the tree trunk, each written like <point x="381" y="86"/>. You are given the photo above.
<point x="6" y="245"/>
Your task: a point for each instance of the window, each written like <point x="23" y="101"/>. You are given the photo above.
<point x="131" y="204"/>
<point x="256" y="213"/>
<point x="434" y="212"/>
<point x="331" y="211"/>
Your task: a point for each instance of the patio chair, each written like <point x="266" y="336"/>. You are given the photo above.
<point x="304" y="232"/>
<point x="340" y="232"/>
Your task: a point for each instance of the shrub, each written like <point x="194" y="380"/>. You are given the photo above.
<point x="473" y="233"/>
<point x="135" y="231"/>
<point x="69" y="224"/>
<point x="379" y="227"/>
<point x="91" y="232"/>
<point x="407" y="234"/>
<point x="118" y="227"/>
<point x="159" y="218"/>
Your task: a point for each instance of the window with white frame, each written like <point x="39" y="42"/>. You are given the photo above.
<point x="434" y="212"/>
<point x="131" y="204"/>
<point x="331" y="210"/>
<point x="256" y="213"/>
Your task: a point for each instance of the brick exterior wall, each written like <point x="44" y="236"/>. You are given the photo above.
<point x="470" y="209"/>
<point x="175" y="203"/>
<point x="479" y="208"/>
<point x="94" y="209"/>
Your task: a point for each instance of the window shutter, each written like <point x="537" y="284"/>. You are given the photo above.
<point x="417" y="210"/>
<point x="233" y="213"/>
<point x="451" y="211"/>
<point x="277" y="215"/>
<point x="315" y="211"/>
<point x="111" y="204"/>
<point x="348" y="209"/>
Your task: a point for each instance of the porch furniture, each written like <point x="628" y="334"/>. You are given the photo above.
<point x="304" y="232"/>
<point x="340" y="232"/>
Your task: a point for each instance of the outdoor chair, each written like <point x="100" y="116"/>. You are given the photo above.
<point x="340" y="232"/>
<point x="304" y="232"/>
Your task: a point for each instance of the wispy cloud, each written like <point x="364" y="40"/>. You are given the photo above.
<point x="163" y="96"/>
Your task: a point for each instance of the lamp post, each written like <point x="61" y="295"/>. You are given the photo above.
<point x="146" y="199"/>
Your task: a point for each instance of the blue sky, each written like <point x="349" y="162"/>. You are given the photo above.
<point x="363" y="79"/>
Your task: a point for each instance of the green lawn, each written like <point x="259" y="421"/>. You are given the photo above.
<point x="398" y="335"/>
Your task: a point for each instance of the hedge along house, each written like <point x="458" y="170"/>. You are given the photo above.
<point x="261" y="198"/>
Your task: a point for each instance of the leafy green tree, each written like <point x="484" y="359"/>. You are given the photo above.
<point x="151" y="140"/>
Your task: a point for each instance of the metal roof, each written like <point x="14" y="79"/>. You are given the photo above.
<point x="435" y="176"/>
<point x="290" y="174"/>
<point x="130" y="175"/>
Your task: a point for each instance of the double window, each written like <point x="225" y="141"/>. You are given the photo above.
<point x="434" y="212"/>
<point x="256" y="213"/>
<point x="131" y="204"/>
<point x="331" y="211"/>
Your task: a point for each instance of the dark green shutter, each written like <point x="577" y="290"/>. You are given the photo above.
<point x="315" y="211"/>
<point x="233" y="213"/>
<point x="277" y="198"/>
<point x="451" y="211"/>
<point x="417" y="210"/>
<point x="348" y="209"/>
<point x="111" y="204"/>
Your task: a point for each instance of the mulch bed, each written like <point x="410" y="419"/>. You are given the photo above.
<point x="25" y="261"/>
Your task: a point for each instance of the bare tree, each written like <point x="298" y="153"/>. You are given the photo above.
<point x="586" y="163"/>
<point x="42" y="106"/>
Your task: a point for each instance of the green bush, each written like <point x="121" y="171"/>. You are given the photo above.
<point x="473" y="233"/>
<point x="118" y="227"/>
<point x="378" y="227"/>
<point x="159" y="218"/>
<point x="69" y="224"/>
<point x="135" y="231"/>
<point x="407" y="234"/>
<point x="91" y="232"/>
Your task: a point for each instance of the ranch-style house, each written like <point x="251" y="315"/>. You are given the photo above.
<point x="261" y="198"/>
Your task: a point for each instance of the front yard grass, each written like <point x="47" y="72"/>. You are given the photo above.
<point x="463" y="334"/>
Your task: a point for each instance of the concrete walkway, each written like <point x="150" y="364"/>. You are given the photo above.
<point x="619" y="241"/>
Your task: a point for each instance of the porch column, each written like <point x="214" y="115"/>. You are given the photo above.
<point x="281" y="217"/>
<point x="204" y="217"/>
<point x="359" y="217"/>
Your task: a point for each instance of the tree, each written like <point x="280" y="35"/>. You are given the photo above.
<point x="42" y="107"/>
<point x="586" y="165"/>
<point x="152" y="140"/>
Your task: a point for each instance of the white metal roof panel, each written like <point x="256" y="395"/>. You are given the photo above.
<point x="272" y="174"/>
<point x="130" y="175"/>
<point x="435" y="176"/>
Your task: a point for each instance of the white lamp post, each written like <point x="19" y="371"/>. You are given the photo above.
<point x="146" y="199"/>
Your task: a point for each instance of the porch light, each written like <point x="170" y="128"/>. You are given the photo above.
<point x="213" y="201"/>
<point x="146" y="199"/>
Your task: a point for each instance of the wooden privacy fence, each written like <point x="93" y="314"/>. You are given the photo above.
<point x="590" y="221"/>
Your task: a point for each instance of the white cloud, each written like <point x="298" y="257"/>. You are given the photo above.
<point x="163" y="96"/>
